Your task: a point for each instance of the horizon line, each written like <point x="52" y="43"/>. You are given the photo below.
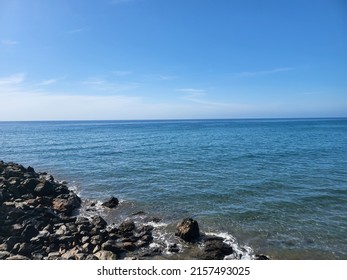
<point x="182" y="119"/>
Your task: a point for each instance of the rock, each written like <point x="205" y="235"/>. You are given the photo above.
<point x="17" y="257"/>
<point x="105" y="255"/>
<point x="173" y="248"/>
<point x="111" y="246"/>
<point x="28" y="186"/>
<point x="66" y="206"/>
<point x="111" y="202"/>
<point x="29" y="232"/>
<point x="215" y="249"/>
<point x="46" y="188"/>
<point x="4" y="255"/>
<point x="127" y="226"/>
<point x="128" y="246"/>
<point x="71" y="254"/>
<point x="188" y="230"/>
<point x="99" y="222"/>
<point x="30" y="169"/>
<point x="262" y="257"/>
<point x="25" y="249"/>
<point x="152" y="252"/>
<point x="54" y="256"/>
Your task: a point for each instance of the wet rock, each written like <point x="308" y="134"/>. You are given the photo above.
<point x="111" y="202"/>
<point x="188" y="230"/>
<point x="152" y="252"/>
<point x="262" y="257"/>
<point x="173" y="248"/>
<point x="215" y="249"/>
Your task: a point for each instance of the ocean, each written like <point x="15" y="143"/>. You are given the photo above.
<point x="275" y="186"/>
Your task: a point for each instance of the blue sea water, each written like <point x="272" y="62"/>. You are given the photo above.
<point x="276" y="185"/>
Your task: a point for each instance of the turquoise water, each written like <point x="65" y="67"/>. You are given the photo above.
<point x="278" y="186"/>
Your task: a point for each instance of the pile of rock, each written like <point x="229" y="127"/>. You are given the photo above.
<point x="38" y="222"/>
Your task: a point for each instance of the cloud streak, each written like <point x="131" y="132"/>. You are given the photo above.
<point x="262" y="73"/>
<point x="101" y="84"/>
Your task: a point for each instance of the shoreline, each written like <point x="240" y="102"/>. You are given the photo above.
<point x="43" y="219"/>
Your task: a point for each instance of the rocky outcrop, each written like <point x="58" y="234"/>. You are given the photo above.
<point x="39" y="221"/>
<point x="188" y="230"/>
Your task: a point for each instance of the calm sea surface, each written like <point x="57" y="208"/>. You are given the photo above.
<point x="278" y="186"/>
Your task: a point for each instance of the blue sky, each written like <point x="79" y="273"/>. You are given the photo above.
<point x="172" y="59"/>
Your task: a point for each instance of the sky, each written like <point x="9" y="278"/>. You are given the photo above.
<point x="172" y="59"/>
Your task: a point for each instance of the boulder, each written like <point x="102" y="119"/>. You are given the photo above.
<point x="45" y="188"/>
<point x="127" y="226"/>
<point x="111" y="202"/>
<point x="215" y="249"/>
<point x="105" y="255"/>
<point x="98" y="222"/>
<point x="66" y="205"/>
<point x="188" y="230"/>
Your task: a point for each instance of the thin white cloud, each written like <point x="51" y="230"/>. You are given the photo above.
<point x="192" y="94"/>
<point x="101" y="84"/>
<point x="9" y="42"/>
<point x="47" y="82"/>
<point x="262" y="73"/>
<point x="12" y="80"/>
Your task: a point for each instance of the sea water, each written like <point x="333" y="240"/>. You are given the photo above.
<point x="278" y="186"/>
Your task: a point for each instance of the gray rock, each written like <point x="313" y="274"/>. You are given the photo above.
<point x="17" y="257"/>
<point x="105" y="255"/>
<point x="4" y="255"/>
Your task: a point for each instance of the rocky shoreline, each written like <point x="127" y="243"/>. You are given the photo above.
<point x="40" y="220"/>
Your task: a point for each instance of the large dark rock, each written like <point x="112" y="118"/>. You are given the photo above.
<point x="127" y="226"/>
<point x="29" y="232"/>
<point x="45" y="188"/>
<point x="111" y="202"/>
<point x="215" y="249"/>
<point x="188" y="230"/>
<point x="66" y="205"/>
